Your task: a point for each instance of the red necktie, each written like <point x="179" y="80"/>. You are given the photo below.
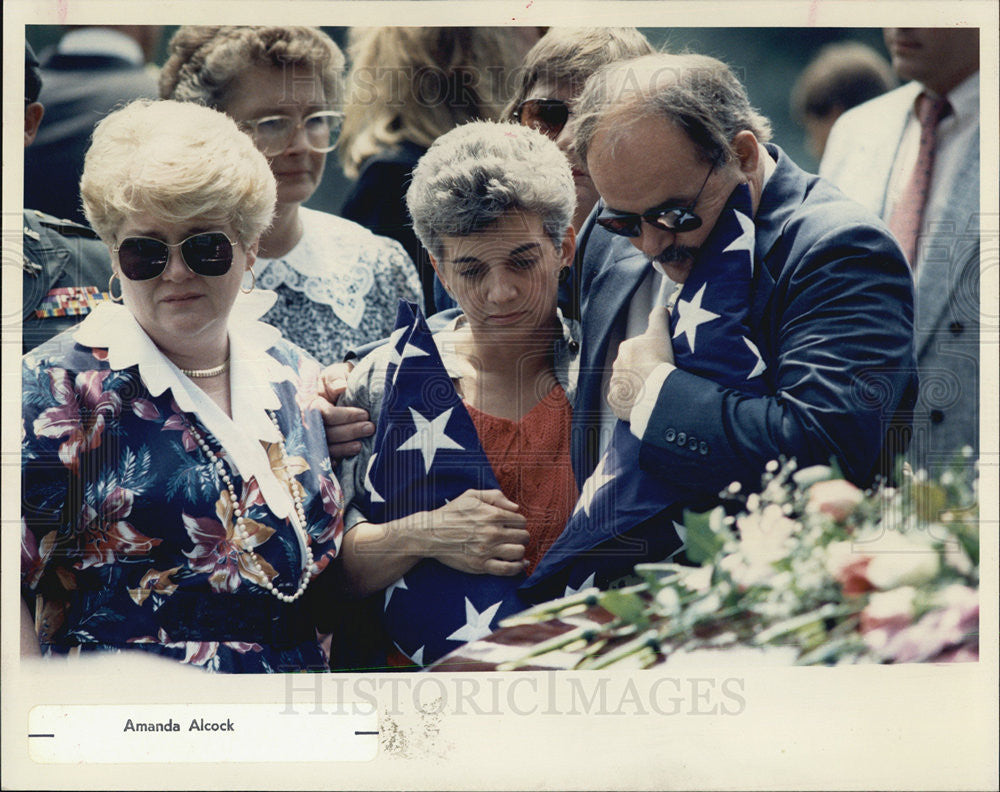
<point x="908" y="214"/>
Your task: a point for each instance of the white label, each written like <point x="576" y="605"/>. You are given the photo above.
<point x="200" y="733"/>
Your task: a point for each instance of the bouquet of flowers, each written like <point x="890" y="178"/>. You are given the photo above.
<point x="811" y="569"/>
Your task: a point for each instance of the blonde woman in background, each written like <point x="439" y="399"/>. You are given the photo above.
<point x="337" y="284"/>
<point x="406" y="88"/>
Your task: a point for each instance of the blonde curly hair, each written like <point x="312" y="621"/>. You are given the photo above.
<point x="176" y="161"/>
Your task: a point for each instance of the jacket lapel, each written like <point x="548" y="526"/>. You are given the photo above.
<point x="940" y="267"/>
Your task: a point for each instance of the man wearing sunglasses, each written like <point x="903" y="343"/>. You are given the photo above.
<point x="668" y="139"/>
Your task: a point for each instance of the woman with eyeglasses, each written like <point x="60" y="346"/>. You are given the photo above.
<point x="177" y="492"/>
<point x="337" y="284"/>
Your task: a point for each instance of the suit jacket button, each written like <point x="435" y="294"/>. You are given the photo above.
<point x="682" y="438"/>
<point x="574" y="347"/>
<point x="703" y="448"/>
<point x="956" y="328"/>
<point x="693" y="444"/>
<point x="936" y="416"/>
<point x="669" y="435"/>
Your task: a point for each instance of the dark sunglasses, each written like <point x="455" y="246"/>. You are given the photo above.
<point x="668" y="215"/>
<point x="548" y="116"/>
<point x="209" y="253"/>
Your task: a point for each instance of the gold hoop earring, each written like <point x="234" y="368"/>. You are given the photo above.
<point x="111" y="292"/>
<point x="253" y="282"/>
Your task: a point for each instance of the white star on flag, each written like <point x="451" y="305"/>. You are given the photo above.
<point x="590" y="487"/>
<point x="399" y="584"/>
<point x="760" y="366"/>
<point x="373" y="493"/>
<point x="745" y="241"/>
<point x="397" y="334"/>
<point x="690" y="315"/>
<point x="588" y="583"/>
<point x="417" y="657"/>
<point x="477" y="625"/>
<point x="409" y="351"/>
<point x="430" y="437"/>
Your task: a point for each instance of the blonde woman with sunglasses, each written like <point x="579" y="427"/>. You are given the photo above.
<point x="177" y="492"/>
<point x="337" y="284"/>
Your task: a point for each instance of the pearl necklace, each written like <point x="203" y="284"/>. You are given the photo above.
<point x="298" y="519"/>
<point x="209" y="372"/>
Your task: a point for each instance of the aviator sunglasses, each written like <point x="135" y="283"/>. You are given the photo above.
<point x="209" y="253"/>
<point x="669" y="216"/>
<point x="548" y="116"/>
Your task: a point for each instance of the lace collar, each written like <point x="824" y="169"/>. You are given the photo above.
<point x="252" y="374"/>
<point x="333" y="263"/>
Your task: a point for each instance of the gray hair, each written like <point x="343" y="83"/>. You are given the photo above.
<point x="474" y="174"/>
<point x="698" y="93"/>
<point x="204" y="60"/>
<point x="177" y="161"/>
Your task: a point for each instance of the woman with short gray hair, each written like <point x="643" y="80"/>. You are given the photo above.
<point x="493" y="204"/>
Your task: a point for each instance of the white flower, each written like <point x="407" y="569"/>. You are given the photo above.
<point x="898" y="560"/>
<point x="764" y="535"/>
<point x="885" y="605"/>
<point x="837" y="498"/>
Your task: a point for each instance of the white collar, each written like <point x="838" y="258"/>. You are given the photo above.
<point x="252" y="373"/>
<point x="964" y="97"/>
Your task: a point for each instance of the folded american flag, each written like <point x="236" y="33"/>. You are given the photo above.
<point x="426" y="453"/>
<point x="626" y="516"/>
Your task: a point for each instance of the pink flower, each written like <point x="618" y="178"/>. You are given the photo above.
<point x="83" y="413"/>
<point x="177" y="422"/>
<point x="849" y="568"/>
<point x="837" y="498"/>
<point x="106" y="534"/>
<point x="219" y="552"/>
<point x="333" y="499"/>
<point x="197" y="653"/>
<point x="889" y="611"/>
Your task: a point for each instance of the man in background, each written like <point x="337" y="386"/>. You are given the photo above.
<point x="87" y="74"/>
<point x="912" y="156"/>
<point x="841" y="76"/>
<point x="65" y="268"/>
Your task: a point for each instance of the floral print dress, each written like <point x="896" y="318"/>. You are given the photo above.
<point x="128" y="533"/>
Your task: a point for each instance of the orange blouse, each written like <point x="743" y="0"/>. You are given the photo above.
<point x="532" y="463"/>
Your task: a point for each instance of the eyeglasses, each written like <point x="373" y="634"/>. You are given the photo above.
<point x="668" y="215"/>
<point x="209" y="253"/>
<point x="272" y="134"/>
<point x="548" y="116"/>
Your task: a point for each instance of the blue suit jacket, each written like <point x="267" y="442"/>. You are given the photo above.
<point x="832" y="314"/>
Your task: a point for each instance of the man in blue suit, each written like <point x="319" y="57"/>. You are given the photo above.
<point x="667" y="138"/>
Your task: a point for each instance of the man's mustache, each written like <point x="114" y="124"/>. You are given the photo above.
<point x="677" y="253"/>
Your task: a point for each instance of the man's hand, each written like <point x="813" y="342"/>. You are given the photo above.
<point x="637" y="357"/>
<point x="345" y="426"/>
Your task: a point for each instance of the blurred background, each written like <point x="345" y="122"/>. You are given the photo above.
<point x="767" y="60"/>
